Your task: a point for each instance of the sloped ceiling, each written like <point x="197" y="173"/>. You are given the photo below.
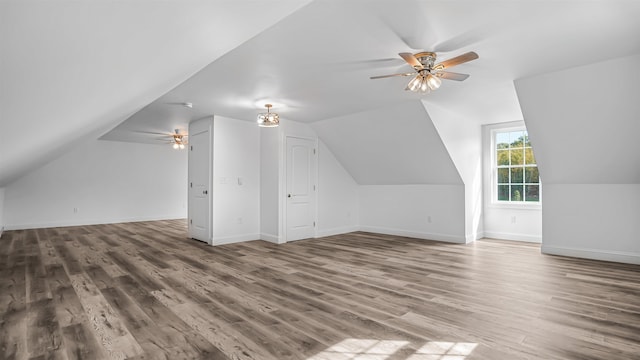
<point x="391" y="145"/>
<point x="584" y="122"/>
<point x="76" y="69"/>
<point x="72" y="69"/>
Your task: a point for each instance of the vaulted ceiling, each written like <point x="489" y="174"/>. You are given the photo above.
<point x="74" y="70"/>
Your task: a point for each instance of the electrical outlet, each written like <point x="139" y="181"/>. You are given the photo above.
<point x="75" y="210"/>
<point x="239" y="220"/>
<point x="513" y="219"/>
<point x="429" y="219"/>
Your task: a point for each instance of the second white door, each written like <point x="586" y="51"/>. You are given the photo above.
<point x="301" y="188"/>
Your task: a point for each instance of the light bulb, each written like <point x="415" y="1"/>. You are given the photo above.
<point x="433" y="82"/>
<point x="415" y="83"/>
<point x="181" y="146"/>
<point x="175" y="146"/>
<point x="423" y="85"/>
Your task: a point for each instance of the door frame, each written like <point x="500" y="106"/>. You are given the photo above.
<point x="283" y="185"/>
<point x="196" y="127"/>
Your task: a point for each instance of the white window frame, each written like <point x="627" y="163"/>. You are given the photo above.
<point x="494" y="174"/>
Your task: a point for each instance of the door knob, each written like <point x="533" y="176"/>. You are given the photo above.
<point x="288" y="195"/>
<point x="205" y="192"/>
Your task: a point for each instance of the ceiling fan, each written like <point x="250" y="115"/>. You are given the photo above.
<point x="427" y="73"/>
<point x="176" y="138"/>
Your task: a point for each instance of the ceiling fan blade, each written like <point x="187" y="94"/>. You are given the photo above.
<point x="153" y="133"/>
<point x="451" y="75"/>
<point x="411" y="60"/>
<point x="456" y="60"/>
<point x="387" y="76"/>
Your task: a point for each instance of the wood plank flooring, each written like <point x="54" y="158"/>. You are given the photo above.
<point x="144" y="291"/>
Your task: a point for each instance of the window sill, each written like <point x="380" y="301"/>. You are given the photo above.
<point x="518" y="206"/>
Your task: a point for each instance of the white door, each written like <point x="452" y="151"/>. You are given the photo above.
<point x="200" y="209"/>
<point x="301" y="189"/>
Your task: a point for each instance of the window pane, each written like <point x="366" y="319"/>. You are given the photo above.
<point x="503" y="175"/>
<point x="503" y="192"/>
<point x="516" y="139"/>
<point x="528" y="156"/>
<point x="503" y="157"/>
<point x="527" y="142"/>
<point x="502" y="140"/>
<point x="531" y="175"/>
<point x="517" y="175"/>
<point x="516" y="157"/>
<point x="516" y="192"/>
<point x="532" y="193"/>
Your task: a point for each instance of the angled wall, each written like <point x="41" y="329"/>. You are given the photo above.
<point x="463" y="141"/>
<point x="408" y="184"/>
<point x="584" y="124"/>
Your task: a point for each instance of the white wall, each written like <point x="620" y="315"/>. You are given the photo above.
<point x="392" y="145"/>
<point x="507" y="222"/>
<point x="586" y="143"/>
<point x="463" y="141"/>
<point x="236" y="180"/>
<point x="598" y="221"/>
<point x="269" y="186"/>
<point x="106" y="182"/>
<point x="432" y="212"/>
<point x="338" y="203"/>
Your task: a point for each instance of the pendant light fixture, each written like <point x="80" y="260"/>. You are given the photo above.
<point x="268" y="119"/>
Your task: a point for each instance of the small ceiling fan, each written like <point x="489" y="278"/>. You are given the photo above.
<point x="176" y="138"/>
<point x="427" y="73"/>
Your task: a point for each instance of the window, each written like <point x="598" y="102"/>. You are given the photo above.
<point x="515" y="170"/>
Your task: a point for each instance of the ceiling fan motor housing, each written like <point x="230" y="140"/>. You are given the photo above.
<point x="427" y="59"/>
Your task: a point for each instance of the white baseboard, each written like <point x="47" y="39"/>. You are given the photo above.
<point x="89" y="222"/>
<point x="418" y="235"/>
<point x="270" y="238"/>
<point x="337" y="231"/>
<point x="594" y="254"/>
<point x="223" y="240"/>
<point x="512" y="236"/>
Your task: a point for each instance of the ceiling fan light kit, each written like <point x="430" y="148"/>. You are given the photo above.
<point x="268" y="119"/>
<point x="429" y="73"/>
<point x="179" y="141"/>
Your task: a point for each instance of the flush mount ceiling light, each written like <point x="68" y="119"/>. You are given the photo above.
<point x="428" y="72"/>
<point x="268" y="119"/>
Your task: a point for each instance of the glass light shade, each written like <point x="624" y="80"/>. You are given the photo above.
<point x="175" y="146"/>
<point x="414" y="84"/>
<point x="181" y="146"/>
<point x="268" y="119"/>
<point x="424" y="86"/>
<point x="433" y="82"/>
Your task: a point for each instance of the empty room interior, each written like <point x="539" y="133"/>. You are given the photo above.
<point x="320" y="179"/>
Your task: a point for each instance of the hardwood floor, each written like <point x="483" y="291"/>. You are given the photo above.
<point x="143" y="291"/>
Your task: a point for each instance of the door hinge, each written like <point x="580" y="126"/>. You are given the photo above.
<point x="314" y="224"/>
<point x="314" y="188"/>
<point x="191" y="147"/>
<point x="190" y="221"/>
<point x="314" y="151"/>
<point x="190" y="184"/>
